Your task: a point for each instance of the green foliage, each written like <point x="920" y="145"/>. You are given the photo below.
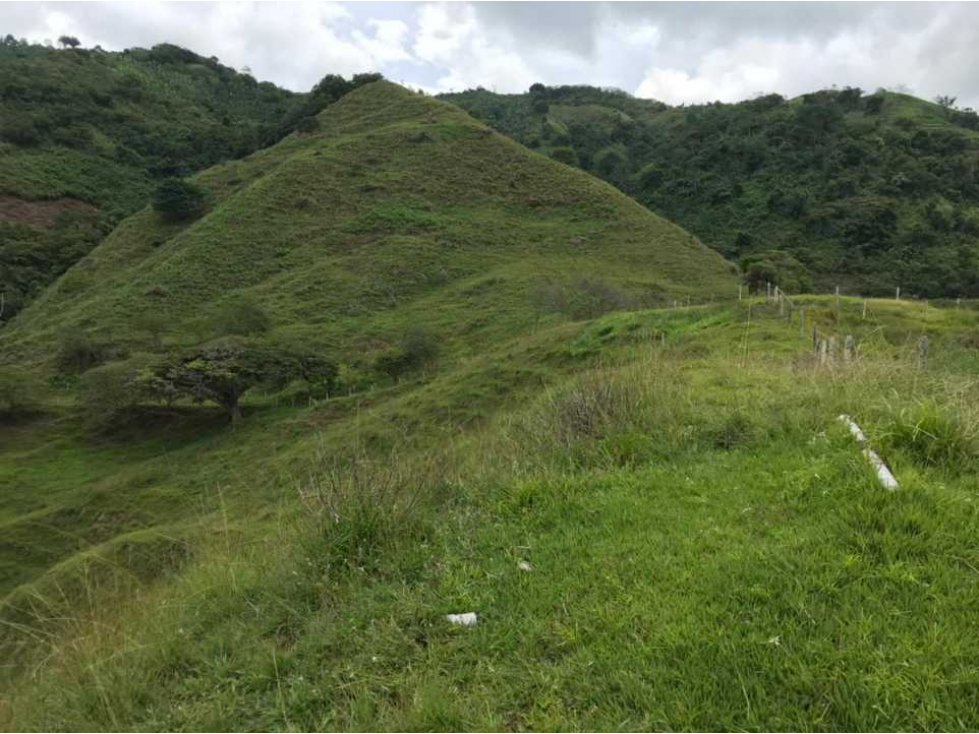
<point x="103" y="128"/>
<point x="418" y="350"/>
<point x="240" y="317"/>
<point x="935" y="437"/>
<point x="107" y="394"/>
<point x="178" y="200"/>
<point x="565" y="154"/>
<point x="221" y="372"/>
<point x="21" y="392"/>
<point x="78" y="352"/>
<point x="838" y="179"/>
<point x="775" y="267"/>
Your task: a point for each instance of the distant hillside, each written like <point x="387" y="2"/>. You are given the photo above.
<point x="396" y="212"/>
<point x="84" y="134"/>
<point x="868" y="192"/>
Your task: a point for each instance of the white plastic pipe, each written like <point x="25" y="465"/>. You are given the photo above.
<point x="466" y="619"/>
<point x="884" y="475"/>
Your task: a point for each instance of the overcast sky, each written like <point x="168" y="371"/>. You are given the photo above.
<point x="675" y="52"/>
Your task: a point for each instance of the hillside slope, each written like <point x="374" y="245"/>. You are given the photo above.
<point x="84" y="134"/>
<point x="398" y="211"/>
<point x="867" y="191"/>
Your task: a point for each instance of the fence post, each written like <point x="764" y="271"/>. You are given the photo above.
<point x="863" y="316"/>
<point x="897" y="294"/>
<point x="739" y="292"/>
<point x="823" y="352"/>
<point x="923" y="352"/>
<point x="802" y="322"/>
<point x="768" y="291"/>
<point x="849" y="349"/>
<point x="833" y="349"/>
<point x="815" y="339"/>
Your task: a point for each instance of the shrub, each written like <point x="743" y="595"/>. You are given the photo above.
<point x="20" y="392"/>
<point x="79" y="352"/>
<point x="308" y="124"/>
<point x="223" y="371"/>
<point x="417" y="350"/>
<point x="933" y="437"/>
<point x="240" y="317"/>
<point x="108" y="393"/>
<point x="566" y="155"/>
<point x="178" y="200"/>
<point x="591" y="297"/>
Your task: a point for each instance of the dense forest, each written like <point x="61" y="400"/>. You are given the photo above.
<point x="838" y="187"/>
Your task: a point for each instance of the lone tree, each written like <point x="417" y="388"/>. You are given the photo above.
<point x="178" y="200"/>
<point x="68" y="41"/>
<point x="222" y="372"/>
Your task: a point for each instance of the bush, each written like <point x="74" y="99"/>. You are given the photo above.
<point x="79" y="352"/>
<point x="417" y="350"/>
<point x="565" y="155"/>
<point x="308" y="124"/>
<point x="20" y="392"/>
<point x="935" y="438"/>
<point x="240" y="317"/>
<point x="177" y="200"/>
<point x="108" y="393"/>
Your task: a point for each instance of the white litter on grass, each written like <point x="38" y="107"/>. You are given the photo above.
<point x="884" y="475"/>
<point x="524" y="566"/>
<point x="776" y="640"/>
<point x="467" y="619"/>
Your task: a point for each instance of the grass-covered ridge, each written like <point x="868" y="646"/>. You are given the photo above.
<point x="398" y="211"/>
<point x="866" y="191"/>
<point x="707" y="547"/>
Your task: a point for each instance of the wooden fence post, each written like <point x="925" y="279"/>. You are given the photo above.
<point x="833" y="349"/>
<point x="849" y="349"/>
<point x="897" y="294"/>
<point x="923" y="352"/>
<point x="863" y="316"/>
<point x="802" y="322"/>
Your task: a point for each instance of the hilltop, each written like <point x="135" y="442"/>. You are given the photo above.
<point x="395" y="211"/>
<point x="837" y="187"/>
<point x="86" y="134"/>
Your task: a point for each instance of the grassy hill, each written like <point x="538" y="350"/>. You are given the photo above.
<point x="399" y="220"/>
<point x="868" y="192"/>
<point x="397" y="211"/>
<point x="652" y="507"/>
<point x="85" y="134"/>
<point x="660" y="523"/>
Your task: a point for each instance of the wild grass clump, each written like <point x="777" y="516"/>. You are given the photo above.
<point x="21" y="393"/>
<point x="360" y="506"/>
<point x="934" y="436"/>
<point x="79" y="352"/>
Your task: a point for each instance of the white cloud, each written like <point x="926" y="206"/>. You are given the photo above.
<point x="678" y="52"/>
<point x="449" y="36"/>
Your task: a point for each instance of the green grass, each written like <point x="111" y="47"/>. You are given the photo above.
<point x="708" y="548"/>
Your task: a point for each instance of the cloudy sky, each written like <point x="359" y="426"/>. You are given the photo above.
<point x="675" y="52"/>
